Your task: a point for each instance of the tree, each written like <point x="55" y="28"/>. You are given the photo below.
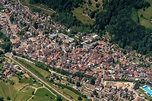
<point x="1" y="99"/>
<point x="92" y="15"/>
<point x="1" y="52"/>
<point x="51" y="80"/>
<point x="8" y="98"/>
<point x="92" y="81"/>
<point x="95" y="93"/>
<point x="59" y="98"/>
<point x="78" y="84"/>
<point x="33" y="93"/>
<point x="12" y="82"/>
<point x="117" y="20"/>
<point x="79" y="98"/>
<point x="35" y="25"/>
<point x="0" y="27"/>
<point x="89" y="2"/>
<point x="14" y="52"/>
<point x="97" y="5"/>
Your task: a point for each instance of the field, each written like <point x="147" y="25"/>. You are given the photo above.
<point x="38" y="71"/>
<point x="22" y="87"/>
<point x="24" y="91"/>
<point x="81" y="13"/>
<point x="145" y="16"/>
<point x="24" y="94"/>
<point x="43" y="95"/>
<point x="18" y="86"/>
<point x="6" y="90"/>
<point x="78" y="13"/>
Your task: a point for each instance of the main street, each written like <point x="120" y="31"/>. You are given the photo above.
<point x="9" y="55"/>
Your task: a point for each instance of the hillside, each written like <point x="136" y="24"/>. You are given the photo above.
<point x="60" y="5"/>
<point x="127" y="22"/>
<point x="124" y="30"/>
<point x="145" y="15"/>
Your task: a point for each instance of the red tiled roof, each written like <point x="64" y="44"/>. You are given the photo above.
<point x="82" y="69"/>
<point x="90" y="73"/>
<point x="6" y="71"/>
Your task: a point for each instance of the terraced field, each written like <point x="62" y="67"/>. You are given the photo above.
<point x="146" y="15"/>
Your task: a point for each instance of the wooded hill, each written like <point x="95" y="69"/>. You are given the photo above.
<point x="117" y="20"/>
<point x="60" y="5"/>
<point x="115" y="17"/>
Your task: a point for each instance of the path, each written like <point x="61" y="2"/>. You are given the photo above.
<point x="36" y="88"/>
<point x="36" y="77"/>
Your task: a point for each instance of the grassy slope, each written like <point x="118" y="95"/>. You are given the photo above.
<point x="78" y="12"/>
<point x="135" y="16"/>
<point x="24" y="94"/>
<point x="18" y="85"/>
<point x="145" y="21"/>
<point x="41" y="95"/>
<point x="6" y="90"/>
<point x="38" y="71"/>
<point x="21" y="92"/>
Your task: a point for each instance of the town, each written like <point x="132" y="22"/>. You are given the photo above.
<point x="109" y="73"/>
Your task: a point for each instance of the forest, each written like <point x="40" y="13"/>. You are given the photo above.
<point x="115" y="18"/>
<point x="63" y="9"/>
<point x="60" y="5"/>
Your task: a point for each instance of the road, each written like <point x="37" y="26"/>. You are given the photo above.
<point x="25" y="59"/>
<point x="36" y="77"/>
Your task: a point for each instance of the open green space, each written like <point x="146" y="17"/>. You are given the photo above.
<point x="36" y="70"/>
<point x="135" y="16"/>
<point x="23" y="91"/>
<point x="78" y="13"/>
<point x="24" y="94"/>
<point x="43" y="95"/>
<point x="145" y="15"/>
<point x="18" y="86"/>
<point x="39" y="73"/>
<point x="74" y="96"/>
<point x="81" y="13"/>
<point x="6" y="90"/>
